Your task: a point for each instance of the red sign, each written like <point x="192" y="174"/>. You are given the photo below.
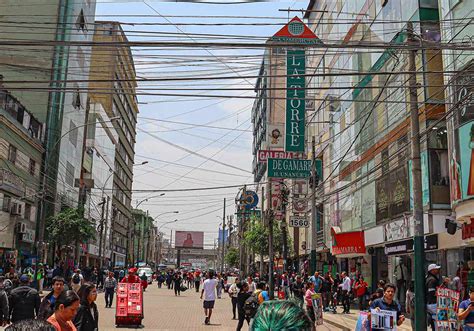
<point x="264" y="155"/>
<point x="296" y="29"/>
<point x="468" y="230"/>
<point x="348" y="243"/>
<point x="186" y="264"/>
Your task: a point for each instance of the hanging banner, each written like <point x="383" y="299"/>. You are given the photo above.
<point x="447" y="304"/>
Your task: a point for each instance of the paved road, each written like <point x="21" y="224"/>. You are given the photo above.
<point x="164" y="311"/>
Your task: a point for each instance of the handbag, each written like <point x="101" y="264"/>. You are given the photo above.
<point x="183" y="288"/>
<point x="281" y="295"/>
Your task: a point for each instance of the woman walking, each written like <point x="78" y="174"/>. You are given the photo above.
<point x="309" y="302"/>
<point x="66" y="308"/>
<point x="177" y="284"/>
<point x="87" y="318"/>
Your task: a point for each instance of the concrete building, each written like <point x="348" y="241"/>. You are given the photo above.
<point x="61" y="72"/>
<point x="21" y="151"/>
<point x="143" y="236"/>
<point x="113" y="70"/>
<point x="362" y="137"/>
<point x="98" y="169"/>
<point x="456" y="27"/>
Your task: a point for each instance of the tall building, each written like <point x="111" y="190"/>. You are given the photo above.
<point x="459" y="65"/>
<point x="113" y="71"/>
<point x="361" y="127"/>
<point x="21" y="152"/>
<point x="59" y="73"/>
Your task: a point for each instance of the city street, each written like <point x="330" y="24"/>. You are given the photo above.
<point x="164" y="311"/>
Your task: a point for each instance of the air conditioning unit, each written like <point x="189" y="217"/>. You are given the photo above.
<point x="21" y="227"/>
<point x="15" y="209"/>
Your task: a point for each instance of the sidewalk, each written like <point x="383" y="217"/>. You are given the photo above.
<point x="347" y="322"/>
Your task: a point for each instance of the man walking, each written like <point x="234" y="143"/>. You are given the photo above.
<point x="431" y="283"/>
<point x="209" y="292"/>
<point x="299" y="290"/>
<point x="346" y="289"/>
<point x="77" y="280"/>
<point x="24" y="301"/>
<point x="317" y="280"/>
<point x="48" y="304"/>
<point x="110" y="284"/>
<point x="234" y="293"/>
<point x="197" y="280"/>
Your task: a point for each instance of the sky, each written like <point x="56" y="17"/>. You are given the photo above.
<point x="229" y="140"/>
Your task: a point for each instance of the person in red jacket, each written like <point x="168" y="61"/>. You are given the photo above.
<point x="131" y="277"/>
<point x="360" y="291"/>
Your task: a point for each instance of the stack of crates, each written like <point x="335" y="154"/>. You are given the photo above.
<point x="122" y="295"/>
<point x="135" y="306"/>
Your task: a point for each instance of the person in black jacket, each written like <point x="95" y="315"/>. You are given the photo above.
<point x="24" y="301"/>
<point x="4" y="308"/>
<point x="49" y="301"/>
<point x="432" y="281"/>
<point x="87" y="317"/>
<point x="241" y="298"/>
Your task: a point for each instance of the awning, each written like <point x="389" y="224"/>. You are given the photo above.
<point x="347" y="242"/>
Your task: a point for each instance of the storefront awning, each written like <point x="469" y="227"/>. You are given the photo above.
<point x="347" y="242"/>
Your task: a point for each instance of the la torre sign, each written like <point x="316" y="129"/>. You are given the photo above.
<point x="289" y="168"/>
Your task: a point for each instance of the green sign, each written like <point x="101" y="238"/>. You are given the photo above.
<point x="289" y="168"/>
<point x="295" y="100"/>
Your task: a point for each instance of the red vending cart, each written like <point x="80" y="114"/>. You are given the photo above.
<point x="129" y="304"/>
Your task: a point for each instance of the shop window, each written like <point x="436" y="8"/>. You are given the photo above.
<point x="438" y="135"/>
<point x="12" y="151"/>
<point x="27" y="212"/>
<point x="7" y="201"/>
<point x="439" y="176"/>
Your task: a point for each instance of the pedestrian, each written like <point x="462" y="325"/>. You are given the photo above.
<point x="317" y="281"/>
<point x="209" y="292"/>
<point x="66" y="308"/>
<point x="346" y="288"/>
<point x="24" y="301"/>
<point x="49" y="276"/>
<point x="177" y="284"/>
<point x="299" y="290"/>
<point x="361" y="291"/>
<point x="220" y="285"/>
<point x="190" y="280"/>
<point x="252" y="285"/>
<point x="233" y="293"/>
<point x="309" y="300"/>
<point x="387" y="302"/>
<point x="4" y="307"/>
<point x="40" y="275"/>
<point x="285" y="285"/>
<point x="262" y="293"/>
<point x="77" y="280"/>
<point x="243" y="295"/>
<point x="326" y="291"/>
<point x="110" y="284"/>
<point x="197" y="280"/>
<point x="87" y="317"/>
<point x="410" y="304"/>
<point x="466" y="311"/>
<point x="131" y="277"/>
<point x="49" y="301"/>
<point x="281" y="315"/>
<point x="432" y="281"/>
<point x="31" y="325"/>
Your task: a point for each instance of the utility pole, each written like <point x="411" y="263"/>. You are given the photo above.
<point x="284" y="198"/>
<point x="314" y="233"/>
<point x="269" y="216"/>
<point x="101" y="231"/>
<point x="262" y="204"/>
<point x="418" y="240"/>
<point x="223" y="239"/>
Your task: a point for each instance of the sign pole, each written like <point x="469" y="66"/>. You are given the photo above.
<point x="314" y="233"/>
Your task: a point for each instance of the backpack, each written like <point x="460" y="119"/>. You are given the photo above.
<point x="251" y="304"/>
<point x="76" y="279"/>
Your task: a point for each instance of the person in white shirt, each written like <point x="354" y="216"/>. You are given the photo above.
<point x="209" y="292"/>
<point x="234" y="293"/>
<point x="346" y="288"/>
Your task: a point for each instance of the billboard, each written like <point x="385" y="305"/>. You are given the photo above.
<point x="189" y="239"/>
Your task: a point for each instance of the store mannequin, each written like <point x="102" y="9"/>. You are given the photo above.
<point x="400" y="275"/>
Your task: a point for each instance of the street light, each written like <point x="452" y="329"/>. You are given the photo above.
<point x="139" y="202"/>
<point x="159" y="228"/>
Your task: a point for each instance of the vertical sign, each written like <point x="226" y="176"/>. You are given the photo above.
<point x="295" y="100"/>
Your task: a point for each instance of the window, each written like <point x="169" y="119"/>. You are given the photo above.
<point x="73" y="133"/>
<point x="7" y="200"/>
<point x="27" y="212"/>
<point x="69" y="174"/>
<point x="81" y="22"/>
<point x="32" y="168"/>
<point x="12" y="153"/>
<point x="76" y="99"/>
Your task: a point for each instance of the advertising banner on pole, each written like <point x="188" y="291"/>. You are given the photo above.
<point x="447" y="305"/>
<point x="189" y="239"/>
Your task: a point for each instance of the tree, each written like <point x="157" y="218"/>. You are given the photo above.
<point x="70" y="227"/>
<point x="256" y="238"/>
<point x="232" y="257"/>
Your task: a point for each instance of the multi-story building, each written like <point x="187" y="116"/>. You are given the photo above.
<point x="361" y="128"/>
<point x="59" y="73"/>
<point x="112" y="69"/>
<point x="458" y="65"/>
<point x="21" y="152"/>
<point x="97" y="172"/>
<point x="143" y="237"/>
